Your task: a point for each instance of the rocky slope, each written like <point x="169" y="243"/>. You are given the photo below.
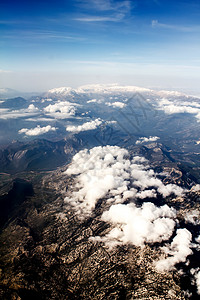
<point x="46" y="251"/>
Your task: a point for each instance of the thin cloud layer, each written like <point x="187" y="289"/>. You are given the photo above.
<point x="103" y="11"/>
<point x="178" y="106"/>
<point x="21" y="113"/>
<point x="37" y="130"/>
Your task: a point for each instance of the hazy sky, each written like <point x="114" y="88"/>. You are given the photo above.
<point x="49" y="43"/>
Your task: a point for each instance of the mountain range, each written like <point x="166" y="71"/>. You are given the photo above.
<point x="100" y="194"/>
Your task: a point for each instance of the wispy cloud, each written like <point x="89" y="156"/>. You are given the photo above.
<point x="100" y="19"/>
<point x="42" y="34"/>
<point x="5" y="71"/>
<point x="15" y="22"/>
<point x="103" y="11"/>
<point x="105" y="5"/>
<point x="156" y="24"/>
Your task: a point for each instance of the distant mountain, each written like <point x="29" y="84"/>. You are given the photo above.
<point x="36" y="155"/>
<point x="96" y="88"/>
<point x="7" y="93"/>
<point x="14" y="103"/>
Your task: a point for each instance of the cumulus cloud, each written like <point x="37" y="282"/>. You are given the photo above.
<point x="147" y="140"/>
<point x="61" y="109"/>
<point x="37" y="130"/>
<point x="111" y="175"/>
<point x="177" y="251"/>
<point x="116" y="104"/>
<point x="85" y="126"/>
<point x="138" y="225"/>
<point x="197" y="277"/>
<point x="198" y="239"/>
<point x="109" y="172"/>
<point x="193" y="217"/>
<point x="196" y="274"/>
<point x="32" y="108"/>
<point x="100" y="170"/>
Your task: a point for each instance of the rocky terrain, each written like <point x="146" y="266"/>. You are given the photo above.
<point x="39" y="155"/>
<point x="46" y="250"/>
<point x="77" y="168"/>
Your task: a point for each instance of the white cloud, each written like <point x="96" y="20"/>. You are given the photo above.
<point x="195" y="188"/>
<point x="92" y="101"/>
<point x="197" y="277"/>
<point x="108" y="172"/>
<point x="85" y="126"/>
<point x="146" y="140"/>
<point x="177" y="107"/>
<point x="116" y="104"/>
<point x="32" y="107"/>
<point x="198" y="239"/>
<point x="177" y="252"/>
<point x="117" y="11"/>
<point x="191" y="103"/>
<point x="193" y="217"/>
<point x="3" y="110"/>
<point x="99" y="171"/>
<point x="196" y="274"/>
<point x="147" y="194"/>
<point x="139" y="225"/>
<point x="61" y="109"/>
<point x="99" y="19"/>
<point x="45" y="100"/>
<point x="40" y="119"/>
<point x="104" y="5"/>
<point x="14" y="114"/>
<point x="182" y="28"/>
<point x="37" y="130"/>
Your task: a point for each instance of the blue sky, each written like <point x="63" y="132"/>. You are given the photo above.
<point x="46" y="44"/>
